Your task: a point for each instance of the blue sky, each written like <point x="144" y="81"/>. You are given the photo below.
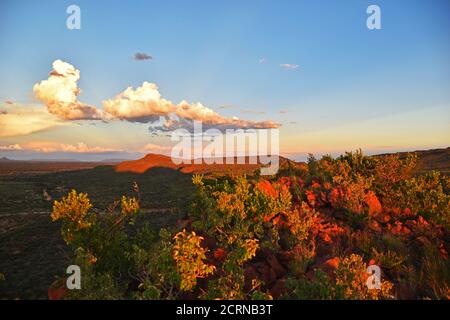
<point x="381" y="90"/>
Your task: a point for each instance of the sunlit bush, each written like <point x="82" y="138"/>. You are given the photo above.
<point x="190" y="257"/>
<point x="310" y="234"/>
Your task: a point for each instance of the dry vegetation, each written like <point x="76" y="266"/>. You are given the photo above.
<point x="308" y="233"/>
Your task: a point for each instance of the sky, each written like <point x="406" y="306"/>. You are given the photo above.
<point x="310" y="68"/>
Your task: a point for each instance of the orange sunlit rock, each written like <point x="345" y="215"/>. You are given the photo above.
<point x="311" y="197"/>
<point x="375" y="226"/>
<point x="373" y="203"/>
<point x="333" y="262"/>
<point x="57" y="290"/>
<point x="442" y="251"/>
<point x="335" y="197"/>
<point x="220" y="254"/>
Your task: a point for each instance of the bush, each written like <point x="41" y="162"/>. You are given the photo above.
<point x="310" y="234"/>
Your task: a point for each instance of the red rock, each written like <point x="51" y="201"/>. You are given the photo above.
<point x="285" y="181"/>
<point x="422" y="221"/>
<point x="327" y="266"/>
<point x="406" y="231"/>
<point x="373" y="203"/>
<point x="57" y="290"/>
<point x="407" y="212"/>
<point x="333" y="263"/>
<point x="315" y="185"/>
<point x="311" y="197"/>
<point x="326" y="237"/>
<point x="397" y="228"/>
<point x="335" y="197"/>
<point x="220" y="254"/>
<point x="323" y="197"/>
<point x="443" y="252"/>
<point x="375" y="226"/>
<point x="279" y="220"/>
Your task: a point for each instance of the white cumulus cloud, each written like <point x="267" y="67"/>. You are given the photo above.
<point x="59" y="93"/>
<point x="145" y="104"/>
<point x="142" y="104"/>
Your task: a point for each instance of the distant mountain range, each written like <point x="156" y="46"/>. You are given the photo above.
<point x="161" y="161"/>
<point x="435" y="159"/>
<point x="113" y="160"/>
<point x="5" y="159"/>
